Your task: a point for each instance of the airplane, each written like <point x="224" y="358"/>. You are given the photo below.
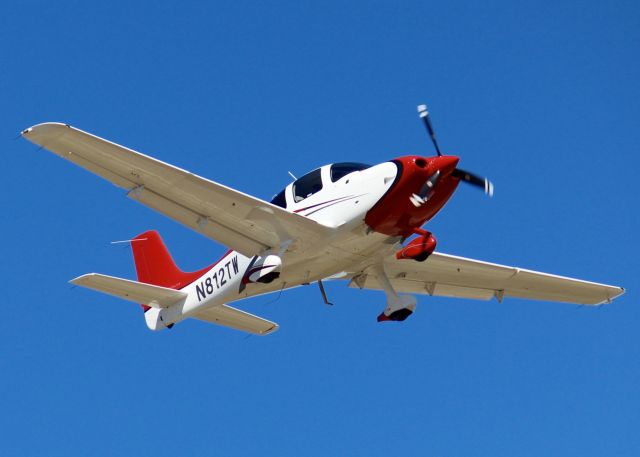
<point x="343" y="221"/>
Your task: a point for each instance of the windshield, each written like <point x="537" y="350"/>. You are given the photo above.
<point x="340" y="170"/>
<point x="280" y="200"/>
<point x="306" y="186"/>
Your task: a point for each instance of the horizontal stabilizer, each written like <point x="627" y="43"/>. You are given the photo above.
<point x="231" y="317"/>
<point x="138" y="292"/>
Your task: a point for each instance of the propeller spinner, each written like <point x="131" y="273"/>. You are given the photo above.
<point x="463" y="175"/>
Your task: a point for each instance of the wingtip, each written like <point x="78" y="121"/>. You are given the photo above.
<point x="270" y="330"/>
<point x="610" y="298"/>
<point x="81" y="278"/>
<point x="43" y="127"/>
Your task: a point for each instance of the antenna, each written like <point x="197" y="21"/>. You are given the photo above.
<point x="128" y="241"/>
<point x="292" y="175"/>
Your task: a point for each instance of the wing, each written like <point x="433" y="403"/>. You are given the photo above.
<point x="245" y="223"/>
<point x="450" y="276"/>
<point x="239" y="320"/>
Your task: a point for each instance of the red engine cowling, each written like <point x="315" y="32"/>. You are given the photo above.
<point x="395" y="214"/>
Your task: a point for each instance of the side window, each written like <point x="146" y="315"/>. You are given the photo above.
<point x="280" y="200"/>
<point x="306" y="186"/>
<point x="340" y="170"/>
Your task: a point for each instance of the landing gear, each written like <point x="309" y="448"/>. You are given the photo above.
<point x="399" y="307"/>
<point x="420" y="248"/>
<point x="397" y="316"/>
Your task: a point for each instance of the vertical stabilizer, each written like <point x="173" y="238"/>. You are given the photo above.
<point x="154" y="264"/>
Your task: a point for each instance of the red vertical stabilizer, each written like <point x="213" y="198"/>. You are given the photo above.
<point x="154" y="264"/>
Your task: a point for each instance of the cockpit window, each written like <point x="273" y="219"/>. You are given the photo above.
<point x="306" y="186"/>
<point x="280" y="200"/>
<point x="339" y="170"/>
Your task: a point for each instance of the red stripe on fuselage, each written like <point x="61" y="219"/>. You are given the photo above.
<point x="318" y="204"/>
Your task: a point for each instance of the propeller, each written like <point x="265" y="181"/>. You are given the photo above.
<point x="474" y="180"/>
<point x="463" y="175"/>
<point x="424" y="115"/>
<point x="426" y="190"/>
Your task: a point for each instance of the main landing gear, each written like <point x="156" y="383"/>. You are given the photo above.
<point x="420" y="248"/>
<point x="399" y="307"/>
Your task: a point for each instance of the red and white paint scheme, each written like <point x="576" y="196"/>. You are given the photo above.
<point x="345" y="221"/>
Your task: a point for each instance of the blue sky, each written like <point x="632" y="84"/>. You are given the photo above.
<point x="540" y="96"/>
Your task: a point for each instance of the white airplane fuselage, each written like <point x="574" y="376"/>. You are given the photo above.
<point x="342" y="204"/>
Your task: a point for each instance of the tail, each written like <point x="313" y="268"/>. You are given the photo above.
<point x="159" y="281"/>
<point x="154" y="264"/>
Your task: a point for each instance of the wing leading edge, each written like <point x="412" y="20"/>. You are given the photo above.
<point x="451" y="276"/>
<point x="244" y="223"/>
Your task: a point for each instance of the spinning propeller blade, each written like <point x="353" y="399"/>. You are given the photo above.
<point x="426" y="190"/>
<point x="474" y="180"/>
<point x="463" y="175"/>
<point x="424" y="114"/>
